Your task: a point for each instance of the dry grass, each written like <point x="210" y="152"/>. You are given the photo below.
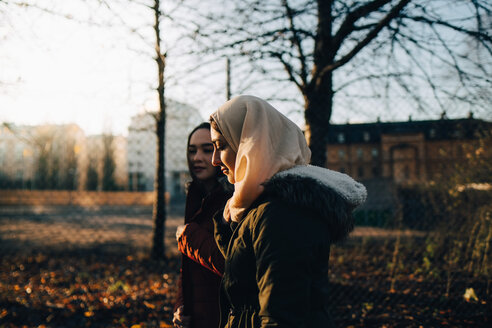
<point x="33" y="229"/>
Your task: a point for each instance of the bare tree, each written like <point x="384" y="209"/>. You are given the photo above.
<point x="159" y="209"/>
<point x="92" y="174"/>
<point x="149" y="18"/>
<point x="55" y="162"/>
<point x="108" y="163"/>
<point x="366" y="48"/>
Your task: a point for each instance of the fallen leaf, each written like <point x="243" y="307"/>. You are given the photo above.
<point x="164" y="325"/>
<point x="470" y="295"/>
<point x="3" y="314"/>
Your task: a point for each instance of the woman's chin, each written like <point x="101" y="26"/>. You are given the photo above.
<point x="230" y="179"/>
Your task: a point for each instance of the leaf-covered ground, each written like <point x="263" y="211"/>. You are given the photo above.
<point x="86" y="290"/>
<point x="369" y="293"/>
<point x="93" y="289"/>
<point x="93" y="271"/>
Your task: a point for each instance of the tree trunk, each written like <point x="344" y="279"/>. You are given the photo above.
<point x="318" y="107"/>
<point x="159" y="210"/>
<point x="318" y="95"/>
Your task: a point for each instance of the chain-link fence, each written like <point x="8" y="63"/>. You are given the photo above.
<point x="76" y="224"/>
<point x="420" y="253"/>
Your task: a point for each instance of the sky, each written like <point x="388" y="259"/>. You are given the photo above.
<point x="59" y="70"/>
<point x="56" y="76"/>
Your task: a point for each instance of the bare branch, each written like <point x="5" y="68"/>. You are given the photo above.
<point x="369" y="77"/>
<point x="289" y="70"/>
<point x="296" y="41"/>
<point x="478" y="34"/>
<point x="348" y="25"/>
<point x="359" y="46"/>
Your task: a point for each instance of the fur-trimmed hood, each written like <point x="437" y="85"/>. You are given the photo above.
<point x="330" y="194"/>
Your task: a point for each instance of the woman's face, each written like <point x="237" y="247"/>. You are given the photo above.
<point x="200" y="151"/>
<point x="223" y="155"/>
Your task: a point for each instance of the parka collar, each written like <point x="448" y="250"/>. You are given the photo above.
<point x="329" y="194"/>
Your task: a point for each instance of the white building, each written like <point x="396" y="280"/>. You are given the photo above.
<point x="142" y="147"/>
<point x="41" y="156"/>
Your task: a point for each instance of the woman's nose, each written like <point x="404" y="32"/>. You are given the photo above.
<point x="216" y="158"/>
<point x="197" y="156"/>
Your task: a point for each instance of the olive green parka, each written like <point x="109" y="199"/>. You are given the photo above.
<point x="276" y="258"/>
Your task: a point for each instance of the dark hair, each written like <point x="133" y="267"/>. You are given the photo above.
<point x="214" y="124"/>
<point x="206" y="126"/>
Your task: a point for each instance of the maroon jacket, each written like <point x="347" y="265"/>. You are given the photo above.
<point x="202" y="262"/>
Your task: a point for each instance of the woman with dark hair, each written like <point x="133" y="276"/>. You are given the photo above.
<point x="277" y="228"/>
<point x="202" y="262"/>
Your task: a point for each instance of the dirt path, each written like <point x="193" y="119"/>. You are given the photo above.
<point x="23" y="231"/>
<point x="26" y="230"/>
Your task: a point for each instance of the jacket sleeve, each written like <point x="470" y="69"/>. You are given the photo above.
<point x="179" y="295"/>
<point x="198" y="244"/>
<point x="283" y="255"/>
<point x="222" y="233"/>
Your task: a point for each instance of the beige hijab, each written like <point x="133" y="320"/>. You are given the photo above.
<point x="265" y="142"/>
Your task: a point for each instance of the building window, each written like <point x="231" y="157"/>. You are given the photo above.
<point x="375" y="153"/>
<point x="130" y="181"/>
<point x="360" y="153"/>
<point x="360" y="171"/>
<point x="375" y="171"/>
<point x="341" y="138"/>
<point x="432" y="133"/>
<point x="341" y="154"/>
<point x="366" y="136"/>
<point x="406" y="172"/>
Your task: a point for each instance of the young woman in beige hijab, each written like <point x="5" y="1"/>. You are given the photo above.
<point x="276" y="230"/>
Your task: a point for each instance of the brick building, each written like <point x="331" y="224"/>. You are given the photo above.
<point x="404" y="152"/>
<point x="384" y="155"/>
